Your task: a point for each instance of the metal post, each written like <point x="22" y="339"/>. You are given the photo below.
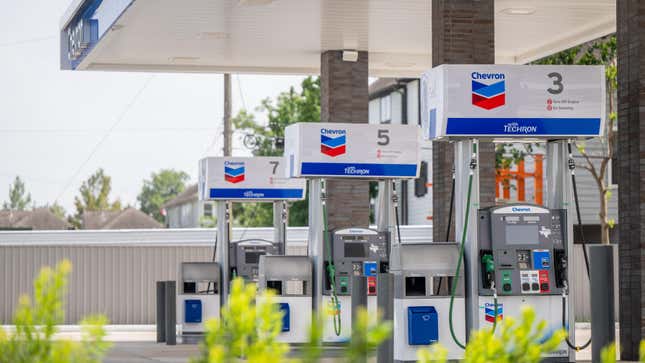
<point x="280" y="215"/>
<point x="316" y="246"/>
<point x="223" y="244"/>
<point x="171" y="312"/>
<point x="559" y="196"/>
<point x="161" y="311"/>
<point x="463" y="156"/>
<point x="385" y="211"/>
<point x="385" y="303"/>
<point x="228" y="129"/>
<point x="603" y="326"/>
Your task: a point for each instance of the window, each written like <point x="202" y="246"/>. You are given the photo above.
<point x="208" y="210"/>
<point x="386" y="109"/>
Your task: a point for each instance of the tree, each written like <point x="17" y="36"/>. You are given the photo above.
<point x="601" y="51"/>
<point x="94" y="196"/>
<point x="161" y="187"/>
<point x="19" y="199"/>
<point x="290" y="107"/>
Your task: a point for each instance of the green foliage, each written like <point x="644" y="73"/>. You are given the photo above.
<point x="162" y="187"/>
<point x="435" y="354"/>
<point x="641" y="354"/>
<point x="19" y="199"/>
<point x="289" y="107"/>
<point x="57" y="210"/>
<point x="367" y="334"/>
<point x="247" y="330"/>
<point x="249" y="327"/>
<point x="33" y="340"/>
<point x="608" y="354"/>
<point x="507" y="155"/>
<point x="520" y="341"/>
<point x="94" y="196"/>
<point x="312" y="350"/>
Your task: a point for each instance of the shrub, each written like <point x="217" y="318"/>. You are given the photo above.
<point x="249" y="327"/>
<point x="520" y="341"/>
<point x="35" y="323"/>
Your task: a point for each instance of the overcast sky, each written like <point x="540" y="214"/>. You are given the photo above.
<point x="52" y="120"/>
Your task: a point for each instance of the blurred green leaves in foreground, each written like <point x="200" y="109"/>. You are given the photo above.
<point x="250" y="325"/>
<point x="35" y="323"/>
<point x="248" y="331"/>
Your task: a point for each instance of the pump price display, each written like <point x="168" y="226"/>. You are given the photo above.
<point x="257" y="178"/>
<point x="513" y="101"/>
<point x="369" y="151"/>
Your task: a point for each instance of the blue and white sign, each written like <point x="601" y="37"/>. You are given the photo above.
<point x="513" y="101"/>
<point x="85" y="25"/>
<point x="257" y="178"/>
<point x="368" y="151"/>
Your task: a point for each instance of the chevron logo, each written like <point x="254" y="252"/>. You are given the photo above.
<point x="488" y="95"/>
<point x="333" y="142"/>
<point x="234" y="171"/>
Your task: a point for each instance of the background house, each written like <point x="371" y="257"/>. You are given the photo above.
<point x="36" y="219"/>
<point x="129" y="218"/>
<point x="186" y="211"/>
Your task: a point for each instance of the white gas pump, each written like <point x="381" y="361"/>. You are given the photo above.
<point x="319" y="151"/>
<point x="516" y="255"/>
<point x="242" y="179"/>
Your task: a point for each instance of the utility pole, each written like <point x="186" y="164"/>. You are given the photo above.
<point x="228" y="130"/>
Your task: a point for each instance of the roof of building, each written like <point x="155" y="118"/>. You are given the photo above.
<point x="129" y="218"/>
<point x="189" y="195"/>
<point x="287" y="37"/>
<point x="36" y="219"/>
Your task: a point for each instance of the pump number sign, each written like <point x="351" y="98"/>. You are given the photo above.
<point x="332" y="150"/>
<point x="513" y="101"/>
<point x="238" y="178"/>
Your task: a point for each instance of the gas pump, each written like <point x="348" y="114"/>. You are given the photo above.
<point x="515" y="255"/>
<point x="290" y="279"/>
<point x="319" y="151"/>
<point x="245" y="257"/>
<point x="354" y="252"/>
<point x="238" y="179"/>
<point x="523" y="252"/>
<point x="198" y="297"/>
<point x="423" y="277"/>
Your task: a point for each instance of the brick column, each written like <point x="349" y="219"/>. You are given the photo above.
<point x="463" y="32"/>
<point x="631" y="172"/>
<point x="344" y="98"/>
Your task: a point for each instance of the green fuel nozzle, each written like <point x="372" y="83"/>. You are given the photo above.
<point x="488" y="262"/>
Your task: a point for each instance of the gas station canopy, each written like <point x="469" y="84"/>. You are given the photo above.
<point x="288" y="36"/>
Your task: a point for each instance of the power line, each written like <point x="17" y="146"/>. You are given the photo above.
<point x="239" y="86"/>
<point x="105" y="136"/>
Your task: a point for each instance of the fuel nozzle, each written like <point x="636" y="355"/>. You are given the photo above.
<point x="489" y="264"/>
<point x="488" y="267"/>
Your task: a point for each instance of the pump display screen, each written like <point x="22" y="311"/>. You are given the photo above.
<point x="355" y="250"/>
<point x="522" y="234"/>
<point x="252" y="257"/>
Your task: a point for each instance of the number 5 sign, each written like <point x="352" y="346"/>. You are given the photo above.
<point x="333" y="150"/>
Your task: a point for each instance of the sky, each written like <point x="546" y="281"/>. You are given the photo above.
<point x="58" y="127"/>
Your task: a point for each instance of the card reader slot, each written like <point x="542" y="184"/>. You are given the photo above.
<point x="415" y="286"/>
